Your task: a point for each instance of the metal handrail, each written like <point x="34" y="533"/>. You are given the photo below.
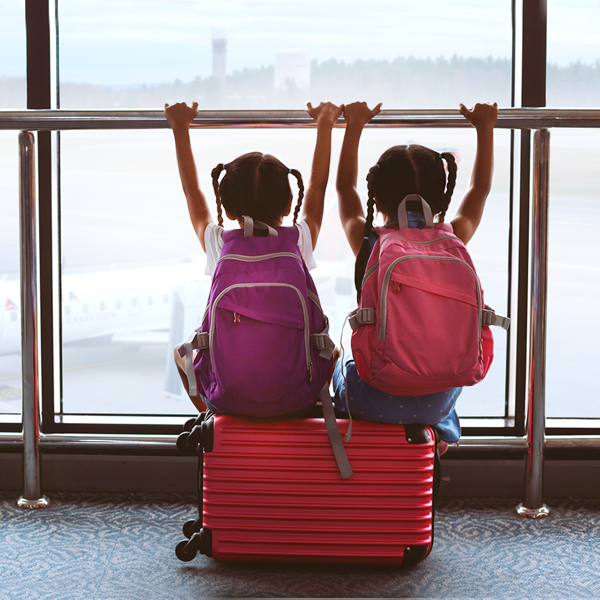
<point x="508" y="118"/>
<point x="539" y="119"/>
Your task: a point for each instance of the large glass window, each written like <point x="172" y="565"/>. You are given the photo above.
<point x="12" y="96"/>
<point x="12" y="55"/>
<point x="10" y="295"/>
<point x="574" y="275"/>
<point x="574" y="212"/>
<point x="246" y="54"/>
<point x="573" y="53"/>
<point x="133" y="282"/>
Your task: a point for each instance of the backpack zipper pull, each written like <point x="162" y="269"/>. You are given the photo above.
<point x="396" y="289"/>
<point x="480" y="348"/>
<point x="310" y="371"/>
<point x="237" y="319"/>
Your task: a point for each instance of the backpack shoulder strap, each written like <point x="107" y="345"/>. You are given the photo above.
<point x="335" y="437"/>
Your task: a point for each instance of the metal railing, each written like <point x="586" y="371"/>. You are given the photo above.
<point x="48" y="120"/>
<point x="508" y="118"/>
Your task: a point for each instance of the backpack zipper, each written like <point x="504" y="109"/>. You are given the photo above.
<point x="315" y="299"/>
<point x="369" y="272"/>
<point x="375" y="266"/>
<point x="259" y="257"/>
<point x="386" y="283"/>
<point x="309" y="365"/>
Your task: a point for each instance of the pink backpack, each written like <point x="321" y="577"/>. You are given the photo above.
<point x="422" y="325"/>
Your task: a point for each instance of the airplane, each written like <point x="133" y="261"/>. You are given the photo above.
<point x="158" y="305"/>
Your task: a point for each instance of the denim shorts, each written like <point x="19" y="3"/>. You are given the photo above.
<point x="370" y="404"/>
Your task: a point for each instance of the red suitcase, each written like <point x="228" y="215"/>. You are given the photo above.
<point x="270" y="490"/>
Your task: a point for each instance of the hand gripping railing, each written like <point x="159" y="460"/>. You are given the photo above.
<point x="49" y="120"/>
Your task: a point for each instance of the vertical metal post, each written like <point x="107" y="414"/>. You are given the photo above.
<point x="532" y="505"/>
<point x="32" y="489"/>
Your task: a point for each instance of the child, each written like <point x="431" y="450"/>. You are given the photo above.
<point x="255" y="185"/>
<point x="399" y="172"/>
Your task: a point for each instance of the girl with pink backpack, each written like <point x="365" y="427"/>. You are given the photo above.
<point x="421" y="330"/>
<point x="263" y="347"/>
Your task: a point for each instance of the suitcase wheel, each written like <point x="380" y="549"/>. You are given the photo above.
<point x="185" y="551"/>
<point x="190" y="423"/>
<point x="191" y="527"/>
<point x="183" y="443"/>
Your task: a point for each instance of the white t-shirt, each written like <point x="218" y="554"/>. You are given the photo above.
<point x="213" y="242"/>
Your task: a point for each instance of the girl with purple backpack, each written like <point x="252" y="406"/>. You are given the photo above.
<point x="401" y="172"/>
<point x="255" y="192"/>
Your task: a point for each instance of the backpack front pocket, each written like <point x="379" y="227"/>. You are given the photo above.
<point x="430" y="326"/>
<point x="259" y="341"/>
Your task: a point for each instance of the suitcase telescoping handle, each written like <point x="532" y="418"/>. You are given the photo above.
<point x="335" y="438"/>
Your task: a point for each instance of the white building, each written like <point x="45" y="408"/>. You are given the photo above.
<point x="292" y="66"/>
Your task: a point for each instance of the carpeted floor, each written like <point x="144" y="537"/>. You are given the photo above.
<point x="121" y="547"/>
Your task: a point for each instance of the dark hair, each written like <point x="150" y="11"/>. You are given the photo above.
<point x="400" y="171"/>
<point x="255" y="185"/>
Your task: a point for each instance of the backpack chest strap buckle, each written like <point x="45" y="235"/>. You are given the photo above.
<point x="324" y="344"/>
<point x="490" y="318"/>
<point x="361" y="316"/>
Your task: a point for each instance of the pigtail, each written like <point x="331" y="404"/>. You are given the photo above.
<point x="298" y="177"/>
<point x="362" y="258"/>
<point x="215" y="180"/>
<point x="451" y="182"/>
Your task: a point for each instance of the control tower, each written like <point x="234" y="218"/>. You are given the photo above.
<point x="219" y="66"/>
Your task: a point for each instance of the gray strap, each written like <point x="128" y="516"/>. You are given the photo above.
<point x="361" y="316"/>
<point x="489" y="317"/>
<point x="335" y="437"/>
<point x="323" y="343"/>
<point x="250" y="225"/>
<point x="197" y="341"/>
<point x="403" y="215"/>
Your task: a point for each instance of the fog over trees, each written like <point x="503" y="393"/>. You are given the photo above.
<point x="404" y="82"/>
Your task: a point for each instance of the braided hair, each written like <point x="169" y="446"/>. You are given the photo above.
<point x="215" y="181"/>
<point x="399" y="172"/>
<point x="256" y="185"/>
<point x="362" y="258"/>
<point x="298" y="177"/>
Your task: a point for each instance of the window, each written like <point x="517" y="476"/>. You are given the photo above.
<point x="200" y="51"/>
<point x="573" y="81"/>
<point x="12" y="55"/>
<point x="12" y="96"/>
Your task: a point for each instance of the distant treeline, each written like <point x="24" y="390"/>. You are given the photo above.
<point x="405" y="82"/>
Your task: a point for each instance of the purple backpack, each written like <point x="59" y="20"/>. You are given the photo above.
<point x="263" y="349"/>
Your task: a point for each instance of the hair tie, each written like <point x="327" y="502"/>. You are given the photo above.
<point x="222" y="166"/>
<point x="377" y="165"/>
<point x="289" y="171"/>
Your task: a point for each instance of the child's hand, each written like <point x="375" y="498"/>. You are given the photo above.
<point x="180" y="115"/>
<point x="483" y="116"/>
<point x="325" y="113"/>
<point x="359" y="114"/>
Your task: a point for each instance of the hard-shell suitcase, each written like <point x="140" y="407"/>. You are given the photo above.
<point x="270" y="490"/>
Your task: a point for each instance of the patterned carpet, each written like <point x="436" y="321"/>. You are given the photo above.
<point x="121" y="547"/>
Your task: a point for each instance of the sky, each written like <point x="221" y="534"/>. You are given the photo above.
<point x="123" y="42"/>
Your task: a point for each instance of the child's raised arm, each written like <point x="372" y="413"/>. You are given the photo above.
<point x="180" y="116"/>
<point x="326" y="115"/>
<point x="470" y="211"/>
<point x="357" y="115"/>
